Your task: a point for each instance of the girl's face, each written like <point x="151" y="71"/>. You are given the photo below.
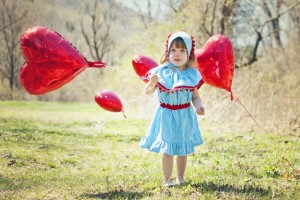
<point x="178" y="54"/>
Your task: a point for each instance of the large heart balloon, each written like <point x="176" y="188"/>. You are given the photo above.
<point x="50" y="61"/>
<point x="108" y="100"/>
<point x="216" y="62"/>
<point x="142" y="64"/>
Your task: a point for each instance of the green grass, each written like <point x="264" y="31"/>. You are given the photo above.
<point x="78" y="151"/>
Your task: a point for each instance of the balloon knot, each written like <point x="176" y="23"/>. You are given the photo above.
<point x="97" y="64"/>
<point x="124" y="114"/>
<point x="231" y="96"/>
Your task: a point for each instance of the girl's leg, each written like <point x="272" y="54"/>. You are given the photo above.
<point x="167" y="162"/>
<point x="181" y="165"/>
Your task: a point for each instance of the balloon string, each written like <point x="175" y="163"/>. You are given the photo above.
<point x="124" y="114"/>
<point x="129" y="73"/>
<point x="141" y="96"/>
<point x="132" y="100"/>
<point x="124" y="71"/>
<point x="132" y="74"/>
<point x="238" y="100"/>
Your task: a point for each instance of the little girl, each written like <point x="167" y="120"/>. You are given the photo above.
<point x="174" y="129"/>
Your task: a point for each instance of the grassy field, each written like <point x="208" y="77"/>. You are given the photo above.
<point x="78" y="151"/>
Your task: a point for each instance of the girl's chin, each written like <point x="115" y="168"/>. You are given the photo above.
<point x="177" y="63"/>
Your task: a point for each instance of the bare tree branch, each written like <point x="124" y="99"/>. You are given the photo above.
<point x="259" y="36"/>
<point x="291" y="7"/>
<point x="11" y="18"/>
<point x="98" y="34"/>
<point x="213" y="17"/>
<point x="203" y="21"/>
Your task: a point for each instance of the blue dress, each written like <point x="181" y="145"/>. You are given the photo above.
<point x="174" y="129"/>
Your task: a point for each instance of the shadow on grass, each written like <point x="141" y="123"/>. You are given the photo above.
<point x="246" y="189"/>
<point x="116" y="195"/>
<point x="5" y="183"/>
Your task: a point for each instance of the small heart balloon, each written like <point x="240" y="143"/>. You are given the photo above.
<point x="108" y="100"/>
<point x="216" y="62"/>
<point x="50" y="61"/>
<point x="142" y="64"/>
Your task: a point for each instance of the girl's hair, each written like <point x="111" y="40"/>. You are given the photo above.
<point x="179" y="43"/>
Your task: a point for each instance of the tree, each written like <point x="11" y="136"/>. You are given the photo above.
<point x="148" y="13"/>
<point x="269" y="25"/>
<point x="203" y="18"/>
<point x="11" y="18"/>
<point x="98" y="34"/>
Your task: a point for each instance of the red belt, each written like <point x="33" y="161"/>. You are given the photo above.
<point x="175" y="107"/>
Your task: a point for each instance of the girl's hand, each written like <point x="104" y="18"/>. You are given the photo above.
<point x="151" y="85"/>
<point x="153" y="80"/>
<point x="200" y="110"/>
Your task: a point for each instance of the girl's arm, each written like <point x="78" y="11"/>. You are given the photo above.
<point x="200" y="110"/>
<point x="151" y="85"/>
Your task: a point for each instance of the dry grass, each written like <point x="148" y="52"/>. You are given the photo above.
<point x="269" y="89"/>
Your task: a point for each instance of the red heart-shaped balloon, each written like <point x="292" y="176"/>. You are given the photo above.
<point x="50" y="61"/>
<point x="142" y="64"/>
<point x="216" y="62"/>
<point x="108" y="100"/>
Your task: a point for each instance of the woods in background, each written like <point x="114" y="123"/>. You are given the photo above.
<point x="265" y="35"/>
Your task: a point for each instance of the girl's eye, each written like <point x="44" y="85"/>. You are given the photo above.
<point x="182" y="50"/>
